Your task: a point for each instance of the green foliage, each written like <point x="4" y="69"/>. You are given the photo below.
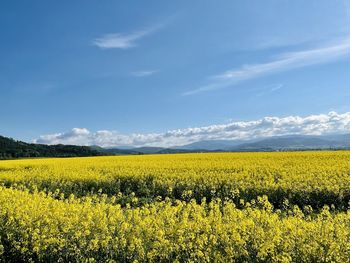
<point x="11" y="149"/>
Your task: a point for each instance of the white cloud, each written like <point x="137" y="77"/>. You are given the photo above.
<point x="268" y="90"/>
<point x="75" y="136"/>
<point x="287" y="61"/>
<point x="143" y="73"/>
<point x="122" y="41"/>
<point x="269" y="126"/>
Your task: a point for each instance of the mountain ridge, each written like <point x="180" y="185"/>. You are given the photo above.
<point x="273" y="143"/>
<point x="10" y="148"/>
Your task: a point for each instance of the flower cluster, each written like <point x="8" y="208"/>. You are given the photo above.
<point x="304" y="178"/>
<point x="225" y="207"/>
<point x="37" y="227"/>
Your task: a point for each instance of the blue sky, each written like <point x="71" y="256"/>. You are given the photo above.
<point x="137" y="69"/>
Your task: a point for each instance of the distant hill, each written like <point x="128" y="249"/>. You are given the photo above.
<point x="296" y="142"/>
<point x="172" y="150"/>
<point x="210" y="145"/>
<point x="144" y="150"/>
<point x="10" y="149"/>
<point x="290" y="142"/>
<point x="119" y="151"/>
<point x="276" y="143"/>
<point x="148" y="150"/>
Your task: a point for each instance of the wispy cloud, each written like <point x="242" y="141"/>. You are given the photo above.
<point x="284" y="62"/>
<point x="277" y="87"/>
<point x="269" y="126"/>
<point x="270" y="89"/>
<point x="123" y="41"/>
<point x="143" y="73"/>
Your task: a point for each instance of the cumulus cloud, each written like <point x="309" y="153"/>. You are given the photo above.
<point x="75" y="136"/>
<point x="330" y="123"/>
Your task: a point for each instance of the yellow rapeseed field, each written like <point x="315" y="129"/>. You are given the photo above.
<point x="220" y="207"/>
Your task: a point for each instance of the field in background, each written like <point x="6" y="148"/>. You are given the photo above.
<point x="279" y="207"/>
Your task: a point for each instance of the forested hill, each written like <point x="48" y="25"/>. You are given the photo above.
<point x="10" y="149"/>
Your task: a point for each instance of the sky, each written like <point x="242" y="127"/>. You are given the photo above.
<point x="116" y="73"/>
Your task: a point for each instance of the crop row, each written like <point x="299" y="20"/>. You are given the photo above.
<point x="36" y="227"/>
<point x="302" y="178"/>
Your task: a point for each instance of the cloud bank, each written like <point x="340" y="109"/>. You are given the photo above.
<point x="284" y="62"/>
<point x="269" y="126"/>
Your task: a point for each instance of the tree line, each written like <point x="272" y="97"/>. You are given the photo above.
<point x="11" y="149"/>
